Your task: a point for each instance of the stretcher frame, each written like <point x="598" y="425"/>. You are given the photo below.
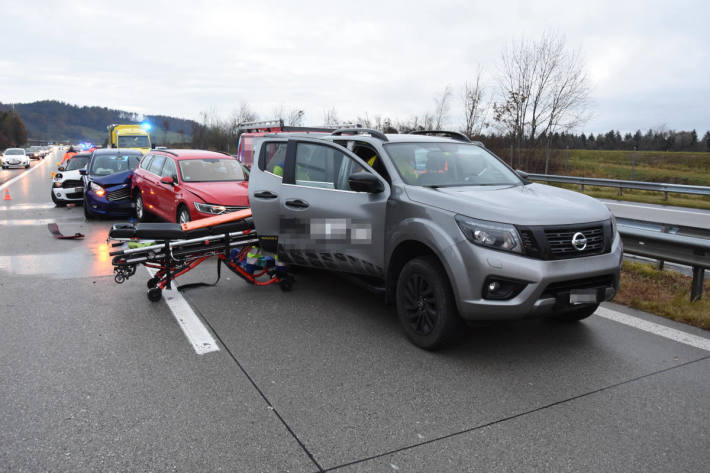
<point x="172" y="258"/>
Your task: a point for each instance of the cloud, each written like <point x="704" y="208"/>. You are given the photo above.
<point x="648" y="60"/>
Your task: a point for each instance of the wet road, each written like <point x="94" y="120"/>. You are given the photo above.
<point x="97" y="378"/>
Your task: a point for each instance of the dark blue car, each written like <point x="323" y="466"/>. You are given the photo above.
<point x="107" y="182"/>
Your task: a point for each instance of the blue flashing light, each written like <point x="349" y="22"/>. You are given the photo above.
<point x="146" y="126"/>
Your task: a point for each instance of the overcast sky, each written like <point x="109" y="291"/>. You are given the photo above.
<point x="649" y="62"/>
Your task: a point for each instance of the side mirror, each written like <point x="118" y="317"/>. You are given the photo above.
<point x="524" y="176"/>
<point x="83" y="172"/>
<point x="365" y="182"/>
<point x="167" y="180"/>
<point x="60" y="168"/>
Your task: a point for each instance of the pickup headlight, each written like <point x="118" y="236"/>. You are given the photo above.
<point x="499" y="236"/>
<point x="613" y="226"/>
<point x="210" y="209"/>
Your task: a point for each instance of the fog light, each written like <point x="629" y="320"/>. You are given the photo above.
<point x="502" y="289"/>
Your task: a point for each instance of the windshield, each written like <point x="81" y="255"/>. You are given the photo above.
<point x="211" y="169"/>
<point x="133" y="141"/>
<point x="14" y="151"/>
<point x="107" y="164"/>
<point x="432" y="164"/>
<point x="77" y="162"/>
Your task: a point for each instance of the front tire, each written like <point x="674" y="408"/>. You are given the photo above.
<point x="425" y="304"/>
<point x="183" y="215"/>
<point x="140" y="208"/>
<point x="87" y="213"/>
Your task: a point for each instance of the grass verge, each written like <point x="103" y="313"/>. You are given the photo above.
<point x="665" y="293"/>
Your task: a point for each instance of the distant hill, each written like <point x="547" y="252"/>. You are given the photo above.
<point x="59" y="121"/>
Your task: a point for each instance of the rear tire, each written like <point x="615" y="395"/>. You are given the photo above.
<point x="425" y="304"/>
<point x="575" y="315"/>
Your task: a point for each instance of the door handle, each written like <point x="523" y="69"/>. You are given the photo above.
<point x="265" y="195"/>
<point x="297" y="203"/>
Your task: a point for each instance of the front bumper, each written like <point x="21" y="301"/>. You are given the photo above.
<point x="548" y="283"/>
<point x="16" y="164"/>
<point x="68" y="194"/>
<point x="101" y="206"/>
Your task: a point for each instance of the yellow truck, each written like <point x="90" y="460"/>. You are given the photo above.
<point x="129" y="136"/>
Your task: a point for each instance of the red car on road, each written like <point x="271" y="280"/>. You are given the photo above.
<point x="184" y="185"/>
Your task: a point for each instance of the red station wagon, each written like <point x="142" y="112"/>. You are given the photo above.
<point x="183" y="185"/>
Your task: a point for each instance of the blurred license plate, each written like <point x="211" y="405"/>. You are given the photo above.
<point x="78" y="189"/>
<point x="583" y="296"/>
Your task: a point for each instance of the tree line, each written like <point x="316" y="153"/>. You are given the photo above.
<point x="55" y="120"/>
<point x="12" y="130"/>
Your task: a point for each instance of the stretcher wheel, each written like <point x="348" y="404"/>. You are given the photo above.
<point x="286" y="283"/>
<point x="155" y="294"/>
<point x="152" y="282"/>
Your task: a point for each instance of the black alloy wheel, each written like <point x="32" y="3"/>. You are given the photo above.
<point x="425" y="304"/>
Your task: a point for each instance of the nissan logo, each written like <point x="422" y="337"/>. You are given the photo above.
<point x="579" y="241"/>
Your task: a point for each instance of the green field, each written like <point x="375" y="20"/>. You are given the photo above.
<point x="689" y="168"/>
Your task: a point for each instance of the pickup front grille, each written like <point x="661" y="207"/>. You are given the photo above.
<point x="119" y="194"/>
<point x="551" y="243"/>
<point x="560" y="242"/>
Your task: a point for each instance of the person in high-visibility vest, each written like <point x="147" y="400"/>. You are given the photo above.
<point x="68" y="155"/>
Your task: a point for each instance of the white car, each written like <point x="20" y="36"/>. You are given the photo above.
<point x="67" y="185"/>
<point x="15" y="157"/>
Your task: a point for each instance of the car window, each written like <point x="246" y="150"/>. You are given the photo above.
<point x="272" y="157"/>
<point x="133" y="141"/>
<point x="156" y="164"/>
<point x="14" y="151"/>
<point x="107" y="164"/>
<point x="324" y="167"/>
<point x="211" y="170"/>
<point x="145" y="162"/>
<point x="449" y="164"/>
<point x="169" y="169"/>
<point x="77" y="162"/>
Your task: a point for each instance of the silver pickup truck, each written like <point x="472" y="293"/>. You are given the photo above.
<point x="448" y="230"/>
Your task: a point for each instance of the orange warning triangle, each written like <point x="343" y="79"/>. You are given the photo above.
<point x="7" y="194"/>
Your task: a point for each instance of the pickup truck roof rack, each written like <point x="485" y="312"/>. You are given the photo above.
<point x="278" y="126"/>
<point x="449" y="134"/>
<point x="360" y="131"/>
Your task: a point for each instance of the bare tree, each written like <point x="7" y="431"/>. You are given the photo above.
<point x="330" y="117"/>
<point x="543" y="90"/>
<point x="295" y="117"/>
<point x="474" y="109"/>
<point x="441" y="112"/>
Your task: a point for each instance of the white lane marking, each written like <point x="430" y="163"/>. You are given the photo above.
<point x="197" y="334"/>
<point x="27" y="207"/>
<point x="20" y="176"/>
<point x="37" y="221"/>
<point x="658" y="209"/>
<point x="654" y="328"/>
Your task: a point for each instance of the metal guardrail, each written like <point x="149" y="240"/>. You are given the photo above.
<point x="687" y="250"/>
<point x="621" y="184"/>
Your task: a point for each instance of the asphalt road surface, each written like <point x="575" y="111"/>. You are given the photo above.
<point x="94" y="377"/>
